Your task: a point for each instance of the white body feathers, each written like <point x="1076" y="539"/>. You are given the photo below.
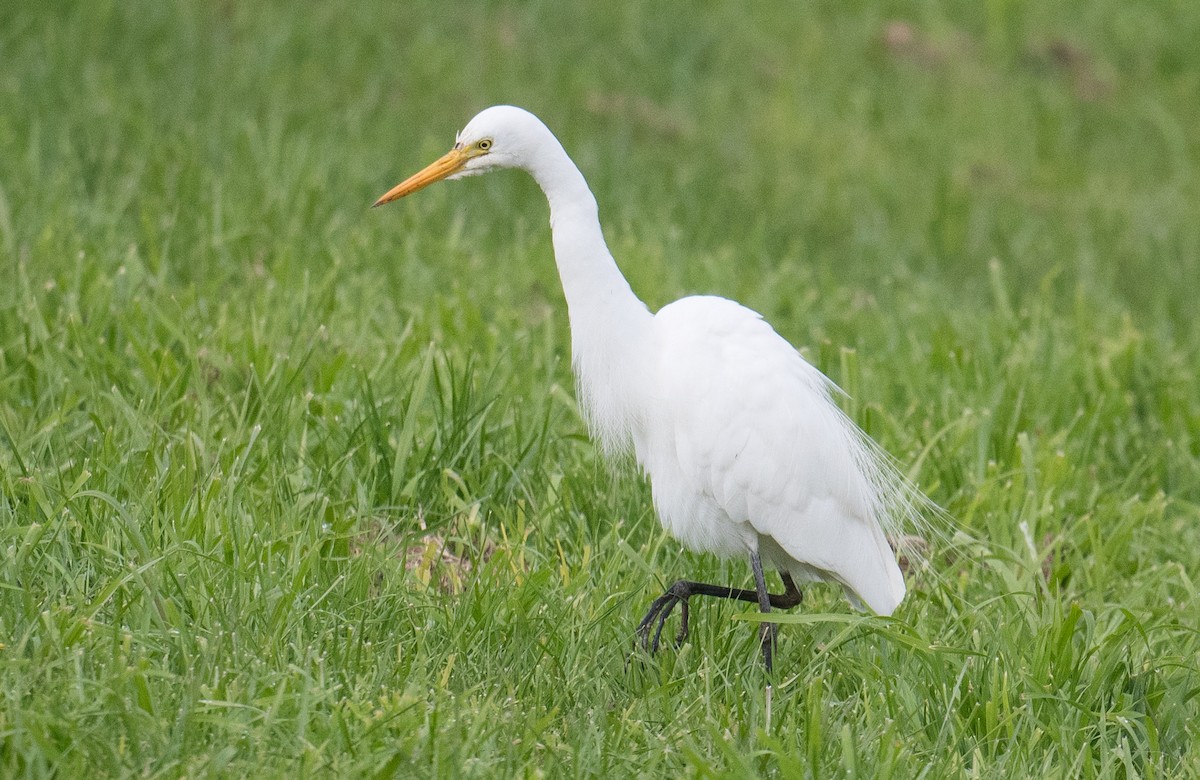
<point x="744" y="448"/>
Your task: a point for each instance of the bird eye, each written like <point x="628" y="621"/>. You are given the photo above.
<point x="485" y="144"/>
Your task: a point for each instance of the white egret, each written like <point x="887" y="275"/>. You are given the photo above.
<point x="745" y="450"/>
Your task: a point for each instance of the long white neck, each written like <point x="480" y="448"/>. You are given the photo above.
<point x="609" y="324"/>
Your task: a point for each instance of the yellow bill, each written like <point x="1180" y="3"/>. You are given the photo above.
<point x="448" y="164"/>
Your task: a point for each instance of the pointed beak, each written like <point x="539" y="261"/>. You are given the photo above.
<point x="447" y="165"/>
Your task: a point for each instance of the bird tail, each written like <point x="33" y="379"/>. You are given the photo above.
<point x="906" y="520"/>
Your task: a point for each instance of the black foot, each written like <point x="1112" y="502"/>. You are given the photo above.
<point x="650" y="630"/>
<point x="678" y="594"/>
<point x="660" y="610"/>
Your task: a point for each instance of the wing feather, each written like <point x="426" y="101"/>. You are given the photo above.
<point x="757" y="438"/>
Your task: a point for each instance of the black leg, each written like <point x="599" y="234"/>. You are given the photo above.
<point x="767" y="630"/>
<point x="681" y="591"/>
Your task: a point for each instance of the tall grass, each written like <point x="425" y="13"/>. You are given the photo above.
<point x="288" y="487"/>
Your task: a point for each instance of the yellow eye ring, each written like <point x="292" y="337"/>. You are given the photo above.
<point x="484" y="145"/>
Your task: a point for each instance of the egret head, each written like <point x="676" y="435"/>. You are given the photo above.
<point x="497" y="137"/>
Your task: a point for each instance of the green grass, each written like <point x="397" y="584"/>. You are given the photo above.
<point x="234" y="401"/>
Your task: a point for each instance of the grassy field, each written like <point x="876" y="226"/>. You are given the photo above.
<point x="289" y="487"/>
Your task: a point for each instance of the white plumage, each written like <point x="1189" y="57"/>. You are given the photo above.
<point x="745" y="450"/>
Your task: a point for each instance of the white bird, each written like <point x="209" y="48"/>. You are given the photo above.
<point x="746" y="452"/>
